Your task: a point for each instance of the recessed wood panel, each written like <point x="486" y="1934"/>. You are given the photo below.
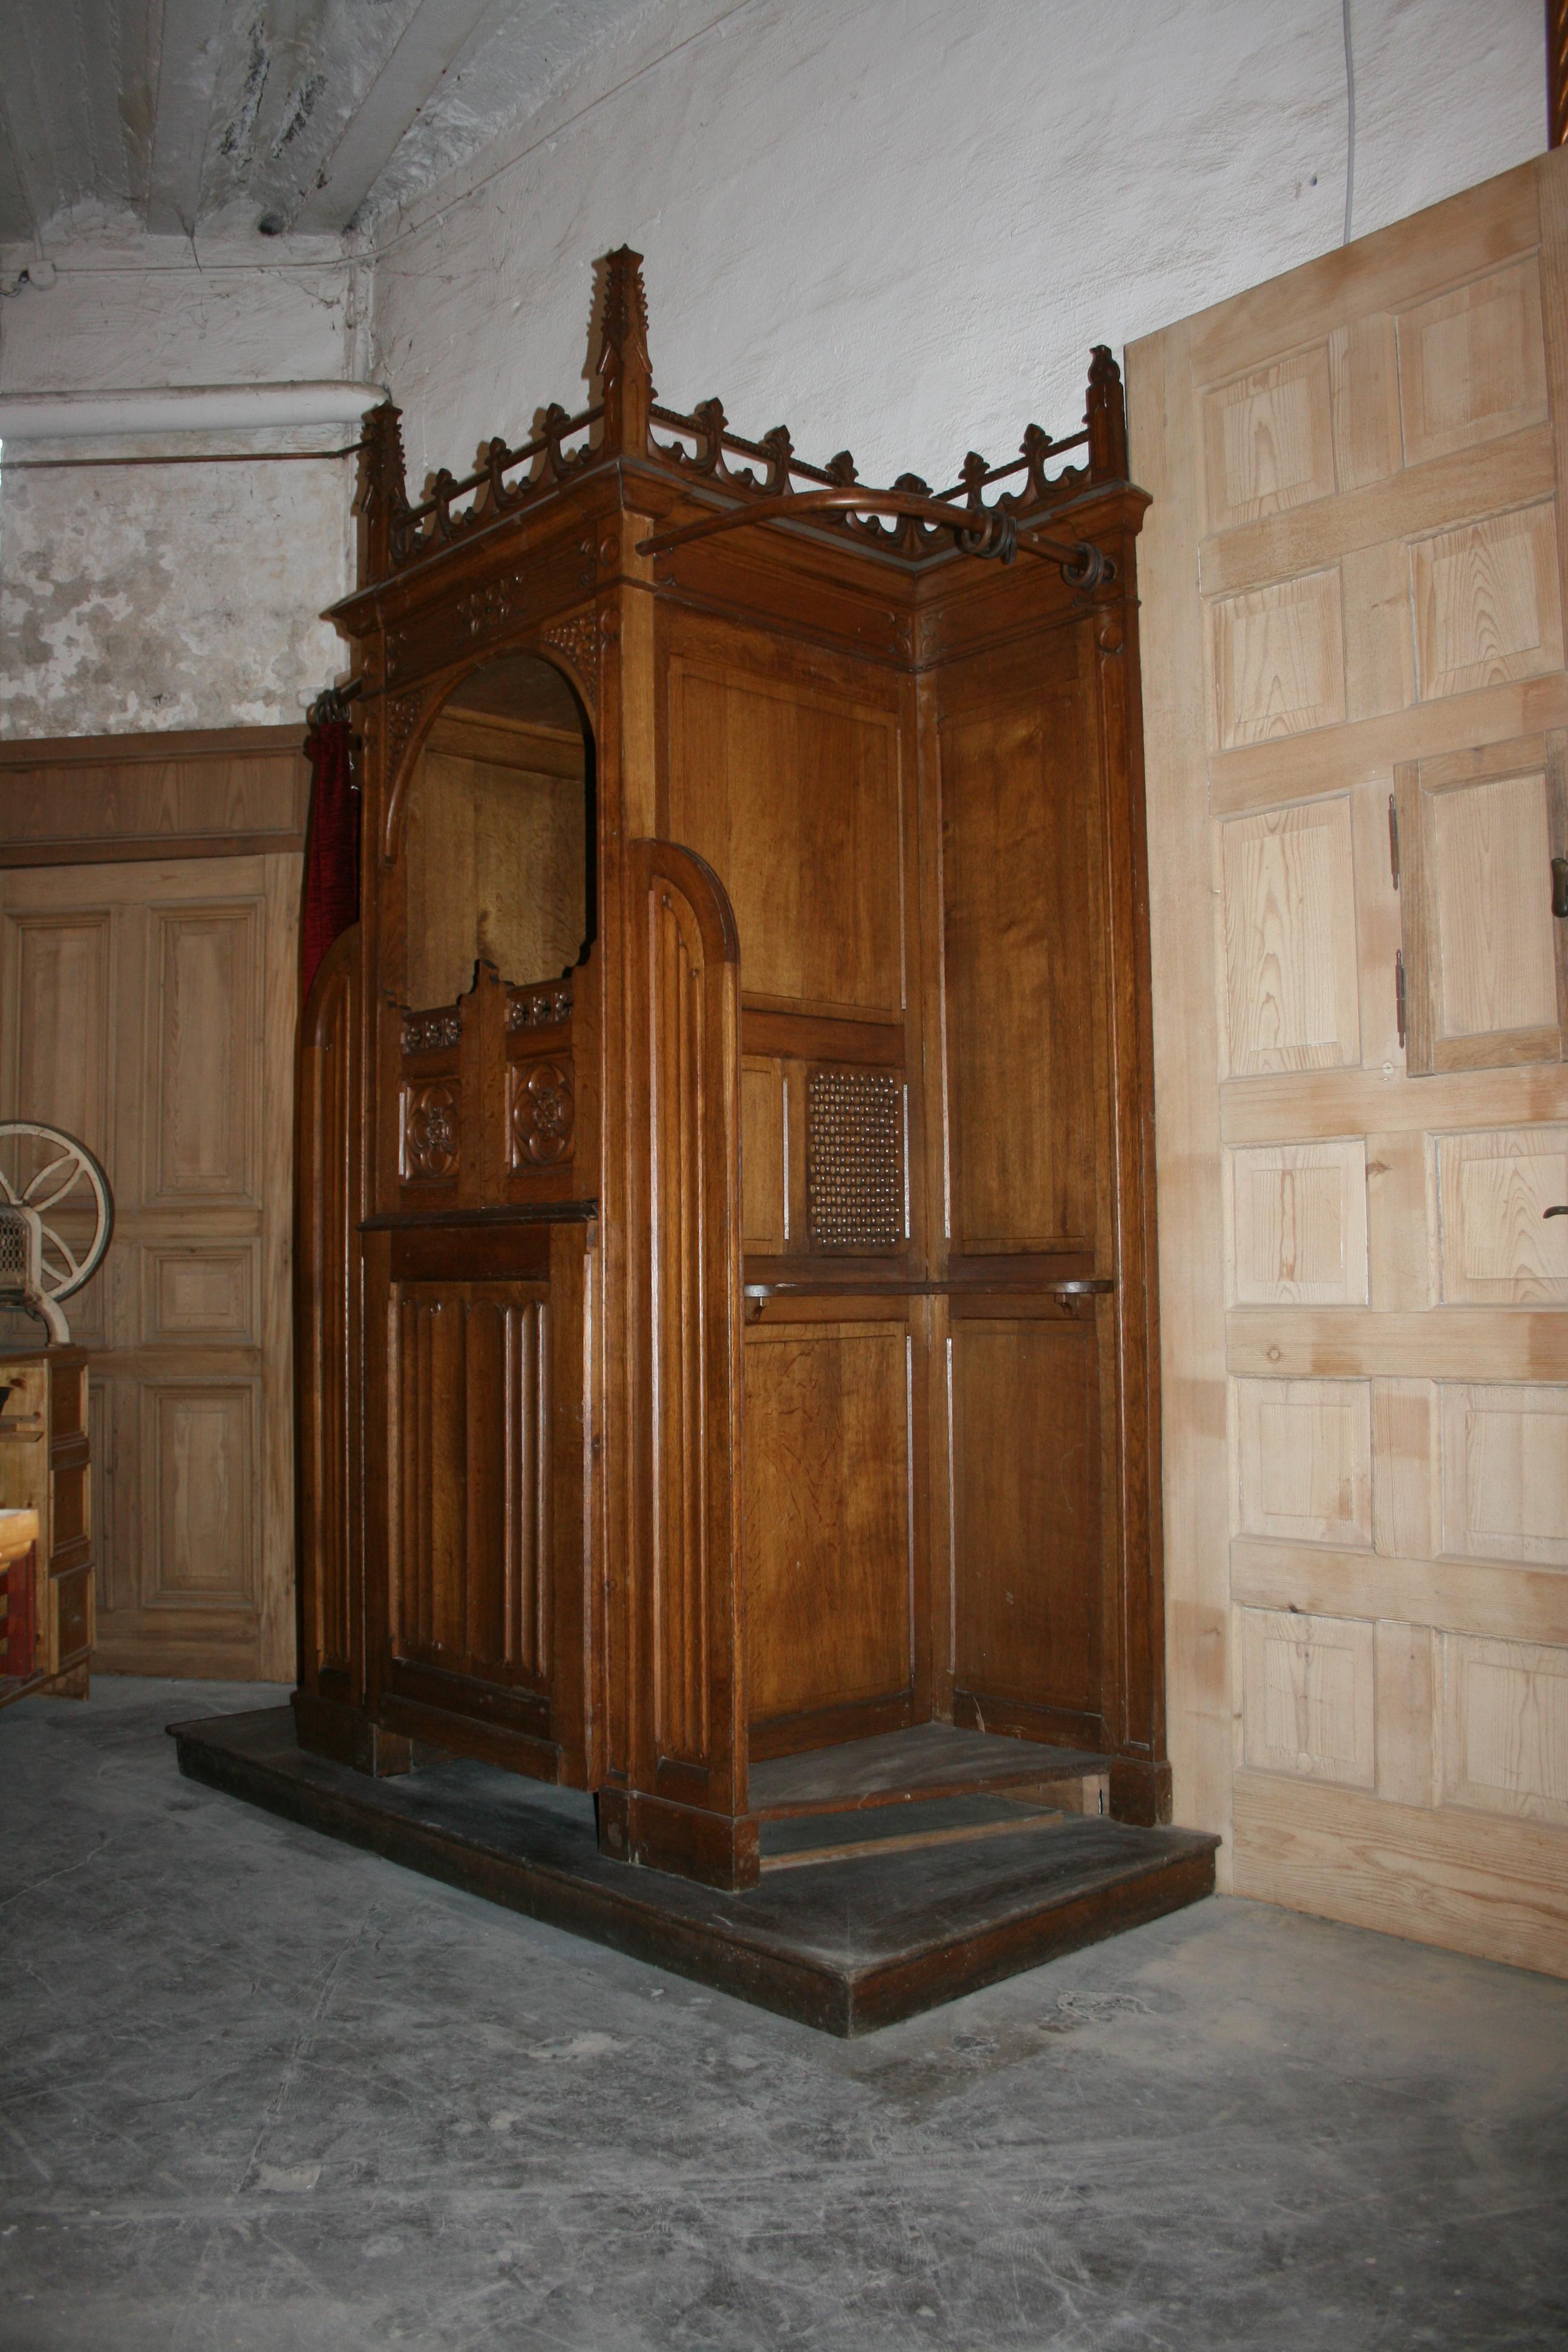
<point x="1307" y="1696"/>
<point x="1268" y="440"/>
<point x="1496" y="1244"/>
<point x="1298" y="1224"/>
<point x="827" y="1516"/>
<point x="1490" y="856"/>
<point x="1026" y="1529"/>
<point x="794" y="798"/>
<point x="1505" y="1472"/>
<point x="198" y="1294"/>
<point x="205" y="1025"/>
<point x="1276" y="659"/>
<point x="1486" y="603"/>
<point x="1304" y="1459"/>
<point x="1292" y="977"/>
<point x="1020" y="1012"/>
<point x="764" y="1196"/>
<point x="1472" y="363"/>
<point x="1505" y="1743"/>
<point x="62" y="1021"/>
<point x="200" y="1505"/>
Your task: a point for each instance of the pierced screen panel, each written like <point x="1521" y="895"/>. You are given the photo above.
<point x="855" y="1159"/>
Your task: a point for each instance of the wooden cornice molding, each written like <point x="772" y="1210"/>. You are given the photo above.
<point x="224" y="791"/>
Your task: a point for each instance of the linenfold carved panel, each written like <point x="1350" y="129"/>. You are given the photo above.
<point x="431" y="1130"/>
<point x="855" y="1159"/>
<point x="541" y="1113"/>
<point x="472" y="1407"/>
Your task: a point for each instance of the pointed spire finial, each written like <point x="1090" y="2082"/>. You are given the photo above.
<point x="1106" y="417"/>
<point x="383" y="498"/>
<point x="625" y="372"/>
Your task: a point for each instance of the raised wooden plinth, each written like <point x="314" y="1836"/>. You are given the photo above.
<point x="846" y="1943"/>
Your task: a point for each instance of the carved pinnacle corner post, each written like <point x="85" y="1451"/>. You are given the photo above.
<point x="1106" y="417"/>
<point x="383" y="499"/>
<point x="625" y="372"/>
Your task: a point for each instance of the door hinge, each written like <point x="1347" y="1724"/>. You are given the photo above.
<point x="1560" y="886"/>
<point x="1399" y="991"/>
<point x="1393" y="839"/>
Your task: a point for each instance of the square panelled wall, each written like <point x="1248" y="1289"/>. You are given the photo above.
<point x="1357" y="726"/>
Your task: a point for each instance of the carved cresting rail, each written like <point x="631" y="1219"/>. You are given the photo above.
<point x="921" y="523"/>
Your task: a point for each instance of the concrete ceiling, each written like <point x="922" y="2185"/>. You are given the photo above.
<point x="274" y="115"/>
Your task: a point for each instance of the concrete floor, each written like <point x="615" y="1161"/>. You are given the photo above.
<point x="258" y="2091"/>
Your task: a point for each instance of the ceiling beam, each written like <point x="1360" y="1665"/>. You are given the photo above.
<point x="440" y="37"/>
<point x="140" y="50"/>
<point x="43" y="111"/>
<point x="187" y="74"/>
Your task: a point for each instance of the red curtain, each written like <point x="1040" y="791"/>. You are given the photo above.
<point x="332" y="846"/>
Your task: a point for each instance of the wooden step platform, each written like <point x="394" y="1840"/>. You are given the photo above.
<point x="897" y="1768"/>
<point x="845" y="1943"/>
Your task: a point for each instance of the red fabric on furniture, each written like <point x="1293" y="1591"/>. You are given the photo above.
<point x="331" y="847"/>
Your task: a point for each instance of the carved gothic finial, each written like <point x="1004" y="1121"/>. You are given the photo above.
<point x="1106" y="417"/>
<point x="383" y="498"/>
<point x="624" y="370"/>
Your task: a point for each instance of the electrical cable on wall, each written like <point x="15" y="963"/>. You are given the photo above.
<point x="1350" y="119"/>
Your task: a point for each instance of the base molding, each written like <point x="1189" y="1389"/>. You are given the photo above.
<point x="713" y="1849"/>
<point x="323" y="1726"/>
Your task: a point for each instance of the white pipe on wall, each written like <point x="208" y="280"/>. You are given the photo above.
<point x="184" y="408"/>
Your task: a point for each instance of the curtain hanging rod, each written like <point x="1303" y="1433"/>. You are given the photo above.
<point x="213" y="457"/>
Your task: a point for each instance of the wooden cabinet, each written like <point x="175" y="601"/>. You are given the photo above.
<point x="45" y="1523"/>
<point x="725" y="1315"/>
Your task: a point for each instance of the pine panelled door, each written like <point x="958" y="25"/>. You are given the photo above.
<point x="1356" y="717"/>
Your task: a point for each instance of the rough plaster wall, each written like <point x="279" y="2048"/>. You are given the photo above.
<point x="181" y="596"/>
<point x="900" y="224"/>
<point x="157" y="598"/>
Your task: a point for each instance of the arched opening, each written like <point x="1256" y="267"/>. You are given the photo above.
<point x="499" y="841"/>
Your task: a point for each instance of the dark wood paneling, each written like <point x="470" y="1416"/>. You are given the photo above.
<point x="1027" y="1513"/>
<point x="1021" y="955"/>
<point x="829" y="1527"/>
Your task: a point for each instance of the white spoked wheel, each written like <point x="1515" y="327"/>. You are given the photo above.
<point x="69" y="1194"/>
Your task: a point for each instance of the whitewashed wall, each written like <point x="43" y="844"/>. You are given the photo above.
<point x="892" y="224"/>
<point x="155" y="597"/>
<point x="900" y="226"/>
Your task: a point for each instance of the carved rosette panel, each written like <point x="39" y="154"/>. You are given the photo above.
<point x="578" y="639"/>
<point x="539" y="1008"/>
<point x="855" y="1158"/>
<point x="541" y="1114"/>
<point x="432" y="1128"/>
<point x="431" y="1033"/>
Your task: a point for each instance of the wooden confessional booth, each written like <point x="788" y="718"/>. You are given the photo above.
<point x="726" y="1319"/>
